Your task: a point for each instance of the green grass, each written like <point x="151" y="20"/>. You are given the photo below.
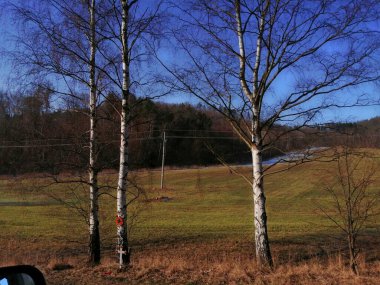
<point x="209" y="203"/>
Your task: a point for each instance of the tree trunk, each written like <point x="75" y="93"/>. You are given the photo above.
<point x="352" y="243"/>
<point x="353" y="264"/>
<point x="263" y="254"/>
<point x="94" y="246"/>
<point x="122" y="233"/>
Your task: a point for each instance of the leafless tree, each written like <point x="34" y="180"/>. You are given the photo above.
<point x="352" y="203"/>
<point x="139" y="27"/>
<point x="265" y="63"/>
<point x="98" y="47"/>
<point x="61" y="41"/>
<point x="92" y="169"/>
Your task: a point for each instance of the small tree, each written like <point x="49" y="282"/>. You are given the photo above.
<point x="352" y="202"/>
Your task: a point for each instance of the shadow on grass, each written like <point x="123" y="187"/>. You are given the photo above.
<point x="28" y="204"/>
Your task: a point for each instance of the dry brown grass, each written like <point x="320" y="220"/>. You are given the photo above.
<point x="215" y="262"/>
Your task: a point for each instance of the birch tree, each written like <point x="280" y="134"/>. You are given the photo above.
<point x="100" y="47"/>
<point x="140" y="26"/>
<point x="94" y="248"/>
<point x="122" y="232"/>
<point x="61" y="42"/>
<point x="269" y="62"/>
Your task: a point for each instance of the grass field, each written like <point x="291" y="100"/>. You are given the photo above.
<point x="200" y="234"/>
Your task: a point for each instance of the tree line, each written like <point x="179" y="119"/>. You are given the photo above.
<point x="36" y="138"/>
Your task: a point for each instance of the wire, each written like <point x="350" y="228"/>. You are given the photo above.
<point x="209" y="131"/>
<point x="35" y="146"/>
<point x="134" y="133"/>
<point x="4" y="146"/>
<point x="113" y="141"/>
<point x="196" y="137"/>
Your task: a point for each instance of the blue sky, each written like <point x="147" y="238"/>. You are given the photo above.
<point x="8" y="29"/>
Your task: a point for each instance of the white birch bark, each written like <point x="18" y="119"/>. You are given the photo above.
<point x="94" y="246"/>
<point x="122" y="237"/>
<point x="263" y="254"/>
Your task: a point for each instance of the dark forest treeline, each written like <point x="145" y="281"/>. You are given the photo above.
<point x="34" y="137"/>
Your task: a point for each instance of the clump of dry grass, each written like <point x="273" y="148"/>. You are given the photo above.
<point x="213" y="262"/>
<point x="202" y="263"/>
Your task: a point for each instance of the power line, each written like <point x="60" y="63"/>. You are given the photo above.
<point x="6" y="146"/>
<point x="35" y="145"/>
<point x="113" y="141"/>
<point x="134" y="133"/>
<point x="36" y="140"/>
<point x="208" y="131"/>
<point x="203" y="137"/>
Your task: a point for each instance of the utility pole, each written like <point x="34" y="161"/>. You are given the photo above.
<point x="163" y="159"/>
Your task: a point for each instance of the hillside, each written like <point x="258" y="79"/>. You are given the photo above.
<point x="202" y="215"/>
<point x="34" y="137"/>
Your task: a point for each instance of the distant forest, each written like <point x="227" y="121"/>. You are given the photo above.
<point x="34" y="137"/>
